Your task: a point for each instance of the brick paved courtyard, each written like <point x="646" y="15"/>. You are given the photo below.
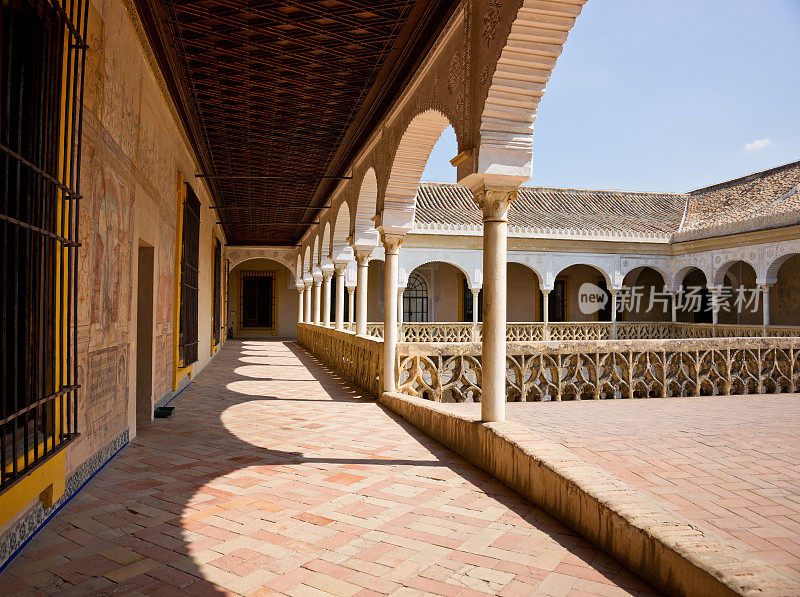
<point x="731" y="464"/>
<point x="274" y="477"/>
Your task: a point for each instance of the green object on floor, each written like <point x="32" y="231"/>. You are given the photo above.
<point x="162" y="412"/>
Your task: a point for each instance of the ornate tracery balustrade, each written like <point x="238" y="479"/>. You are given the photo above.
<point x="576" y="370"/>
<point x="358" y="358"/>
<point x="590" y="330"/>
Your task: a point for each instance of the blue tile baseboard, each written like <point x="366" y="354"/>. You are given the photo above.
<point x="12" y="542"/>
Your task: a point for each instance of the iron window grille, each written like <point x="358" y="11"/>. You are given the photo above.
<point x="190" y="257"/>
<point x="415" y="299"/>
<point x="41" y="101"/>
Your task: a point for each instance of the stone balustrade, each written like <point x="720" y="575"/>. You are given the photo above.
<point x="575" y="370"/>
<point x="357" y="358"/>
<point x="589" y="330"/>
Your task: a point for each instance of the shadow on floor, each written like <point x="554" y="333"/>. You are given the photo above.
<point x="142" y="506"/>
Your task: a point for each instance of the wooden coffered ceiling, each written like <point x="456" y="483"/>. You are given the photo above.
<point x="277" y="97"/>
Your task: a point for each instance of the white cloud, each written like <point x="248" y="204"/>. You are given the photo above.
<point x="758" y="145"/>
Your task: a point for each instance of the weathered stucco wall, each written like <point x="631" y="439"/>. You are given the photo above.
<point x="285" y="295"/>
<point x="522" y="293"/>
<point x="784" y="296"/>
<point x="132" y="153"/>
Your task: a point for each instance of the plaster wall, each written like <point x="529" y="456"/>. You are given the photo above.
<point x="375" y="291"/>
<point x="133" y="150"/>
<point x="576" y="275"/>
<point x="784" y="296"/>
<point x="522" y="292"/>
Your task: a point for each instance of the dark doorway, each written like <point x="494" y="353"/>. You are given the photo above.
<point x="258" y="300"/>
<point x="144" y="335"/>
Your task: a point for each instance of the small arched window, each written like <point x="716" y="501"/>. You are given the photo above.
<point x="415" y="299"/>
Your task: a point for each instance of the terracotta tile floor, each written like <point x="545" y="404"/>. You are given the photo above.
<point x="274" y="477"/>
<point x="731" y="464"/>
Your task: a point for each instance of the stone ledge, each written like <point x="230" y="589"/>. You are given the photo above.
<point x="668" y="551"/>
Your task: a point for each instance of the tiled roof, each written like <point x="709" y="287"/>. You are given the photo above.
<point x="546" y="209"/>
<point x="768" y="193"/>
<point x="757" y="201"/>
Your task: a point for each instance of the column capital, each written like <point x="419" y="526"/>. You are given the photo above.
<point x="339" y="267"/>
<point x="494" y="201"/>
<point x="362" y="255"/>
<point x="475" y="291"/>
<point x="392" y="240"/>
<point x="300" y="287"/>
<point x="327" y="274"/>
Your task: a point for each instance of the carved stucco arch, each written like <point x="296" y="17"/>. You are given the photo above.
<point x="237" y="257"/>
<point x="680" y="276"/>
<point x="721" y="270"/>
<point x="771" y="275"/>
<point x="408" y="269"/>
<point x="366" y="205"/>
<point x="521" y="42"/>
<point x="602" y="263"/>
<point x="408" y="158"/>
<point x="340" y="243"/>
<point x="665" y="275"/>
<point x="521" y="261"/>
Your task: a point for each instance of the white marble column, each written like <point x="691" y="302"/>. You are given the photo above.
<point x="494" y="202"/>
<point x="307" y="297"/>
<point x="613" y="294"/>
<point x="400" y="314"/>
<point x="391" y="246"/>
<point x="714" y="290"/>
<point x="339" y="268"/>
<point x="546" y="314"/>
<point x="475" y="307"/>
<point x="327" y="274"/>
<point x="317" y="298"/>
<point x="362" y="279"/>
<point x="674" y="305"/>
<point x="351" y="307"/>
<point x="300" y="302"/>
<point x="764" y="306"/>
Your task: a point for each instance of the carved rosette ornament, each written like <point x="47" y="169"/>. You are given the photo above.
<point x="494" y="202"/>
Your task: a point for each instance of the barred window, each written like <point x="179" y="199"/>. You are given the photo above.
<point x="190" y="257"/>
<point x="415" y="299"/>
<point x="42" y="59"/>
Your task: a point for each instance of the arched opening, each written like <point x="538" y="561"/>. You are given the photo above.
<point x="341" y="232"/>
<point x="523" y="294"/>
<point x="364" y="229"/>
<point x="262" y="302"/>
<point x="784" y="295"/>
<point x="409" y="162"/>
<point x="580" y="293"/>
<point x="694" y="305"/>
<point x="740" y="298"/>
<point x="447" y="294"/>
<point x="644" y="297"/>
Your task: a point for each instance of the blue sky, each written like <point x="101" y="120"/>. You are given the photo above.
<point x="658" y="95"/>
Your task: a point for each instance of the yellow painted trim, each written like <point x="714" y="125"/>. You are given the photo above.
<point x="177" y="371"/>
<point x="48" y="481"/>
